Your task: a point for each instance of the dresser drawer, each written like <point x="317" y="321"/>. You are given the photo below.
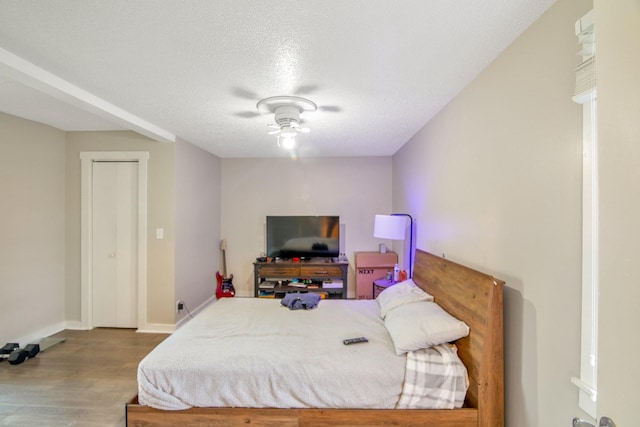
<point x="320" y="271"/>
<point x="279" y="270"/>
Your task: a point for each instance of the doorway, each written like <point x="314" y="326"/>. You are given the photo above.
<point x="104" y="262"/>
<point x="114" y="251"/>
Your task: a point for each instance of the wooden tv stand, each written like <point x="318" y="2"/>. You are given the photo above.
<point x="282" y="274"/>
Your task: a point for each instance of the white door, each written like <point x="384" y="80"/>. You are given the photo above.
<point x="114" y="249"/>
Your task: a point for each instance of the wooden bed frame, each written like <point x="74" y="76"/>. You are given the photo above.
<point x="471" y="296"/>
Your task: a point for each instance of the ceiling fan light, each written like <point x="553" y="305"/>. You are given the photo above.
<point x="288" y="132"/>
<point x="287" y="142"/>
<point x="286" y="110"/>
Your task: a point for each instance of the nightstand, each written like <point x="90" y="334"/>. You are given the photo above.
<point x="380" y="285"/>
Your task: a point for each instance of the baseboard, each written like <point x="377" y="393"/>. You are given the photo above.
<point x="201" y="307"/>
<point x="149" y="328"/>
<point x="198" y="309"/>
<point x="41" y="333"/>
<point x="182" y="321"/>
<point x="157" y="328"/>
<point x="76" y="325"/>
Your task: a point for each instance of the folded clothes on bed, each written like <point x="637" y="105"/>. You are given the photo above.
<point x="298" y="301"/>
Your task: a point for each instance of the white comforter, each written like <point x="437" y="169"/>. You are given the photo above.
<point x="251" y="352"/>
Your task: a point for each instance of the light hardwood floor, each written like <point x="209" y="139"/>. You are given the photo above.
<point x="84" y="381"/>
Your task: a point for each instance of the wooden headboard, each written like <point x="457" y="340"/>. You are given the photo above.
<point x="476" y="299"/>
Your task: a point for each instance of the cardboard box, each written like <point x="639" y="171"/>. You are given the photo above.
<point x="371" y="266"/>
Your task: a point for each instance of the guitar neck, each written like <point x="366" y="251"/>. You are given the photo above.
<point x="223" y="248"/>
<point x="224" y="263"/>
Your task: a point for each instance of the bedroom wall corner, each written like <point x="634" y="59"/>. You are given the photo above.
<point x="32" y="220"/>
<point x="198" y="210"/>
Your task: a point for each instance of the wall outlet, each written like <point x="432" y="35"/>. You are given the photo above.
<point x="179" y="306"/>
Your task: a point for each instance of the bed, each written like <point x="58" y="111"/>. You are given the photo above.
<point x="468" y="295"/>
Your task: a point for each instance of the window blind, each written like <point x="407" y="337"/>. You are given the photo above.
<point x="586" y="69"/>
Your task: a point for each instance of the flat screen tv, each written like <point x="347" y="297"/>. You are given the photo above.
<point x="303" y="236"/>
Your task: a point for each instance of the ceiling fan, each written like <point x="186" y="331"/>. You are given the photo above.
<point x="303" y="90"/>
<point x="287" y="111"/>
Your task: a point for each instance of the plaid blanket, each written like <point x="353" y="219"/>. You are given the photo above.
<point x="435" y="378"/>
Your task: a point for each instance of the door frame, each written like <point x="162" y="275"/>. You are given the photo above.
<point x="87" y="158"/>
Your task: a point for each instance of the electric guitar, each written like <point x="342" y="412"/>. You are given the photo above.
<point x="225" y="288"/>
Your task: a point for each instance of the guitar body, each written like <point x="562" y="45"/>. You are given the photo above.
<point x="225" y="287"/>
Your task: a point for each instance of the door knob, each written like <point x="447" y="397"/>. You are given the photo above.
<point x="577" y="422"/>
<point x="604" y="422"/>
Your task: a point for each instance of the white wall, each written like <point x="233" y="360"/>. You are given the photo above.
<point x="617" y="63"/>
<point x="197" y="239"/>
<point x="355" y="188"/>
<point x="495" y="183"/>
<point x="32" y="224"/>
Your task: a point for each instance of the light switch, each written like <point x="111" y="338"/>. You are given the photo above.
<point x="159" y="233"/>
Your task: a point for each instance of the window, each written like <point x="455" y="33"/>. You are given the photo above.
<point x="586" y="95"/>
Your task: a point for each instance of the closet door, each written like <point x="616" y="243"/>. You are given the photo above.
<point x="114" y="251"/>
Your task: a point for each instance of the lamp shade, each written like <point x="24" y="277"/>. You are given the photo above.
<point x="390" y="227"/>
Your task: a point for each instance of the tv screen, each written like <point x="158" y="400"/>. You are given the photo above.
<point x="303" y="236"/>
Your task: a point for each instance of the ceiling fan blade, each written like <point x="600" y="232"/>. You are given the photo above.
<point x="305" y="89"/>
<point x="303" y="130"/>
<point x="330" y="108"/>
<point x="274" y="132"/>
<point x="247" y="114"/>
<point x="244" y="93"/>
<point x="273" y="126"/>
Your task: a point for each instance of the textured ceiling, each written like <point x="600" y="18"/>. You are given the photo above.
<point x="378" y="70"/>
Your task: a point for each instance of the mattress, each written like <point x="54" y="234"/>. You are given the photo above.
<point x="252" y="352"/>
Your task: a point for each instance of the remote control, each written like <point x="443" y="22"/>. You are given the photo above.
<point x="354" y="340"/>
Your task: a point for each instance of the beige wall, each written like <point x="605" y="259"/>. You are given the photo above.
<point x="495" y="183"/>
<point x="32" y="224"/>
<point x="617" y="63"/>
<point x="160" y="214"/>
<point x="197" y="240"/>
<point x="354" y="188"/>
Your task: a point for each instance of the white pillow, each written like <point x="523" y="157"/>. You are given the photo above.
<point x="422" y="325"/>
<point x="399" y="294"/>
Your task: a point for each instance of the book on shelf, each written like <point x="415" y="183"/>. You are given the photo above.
<point x="298" y="285"/>
<point x="332" y="284"/>
<point x="267" y="285"/>
<point x="266" y="294"/>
